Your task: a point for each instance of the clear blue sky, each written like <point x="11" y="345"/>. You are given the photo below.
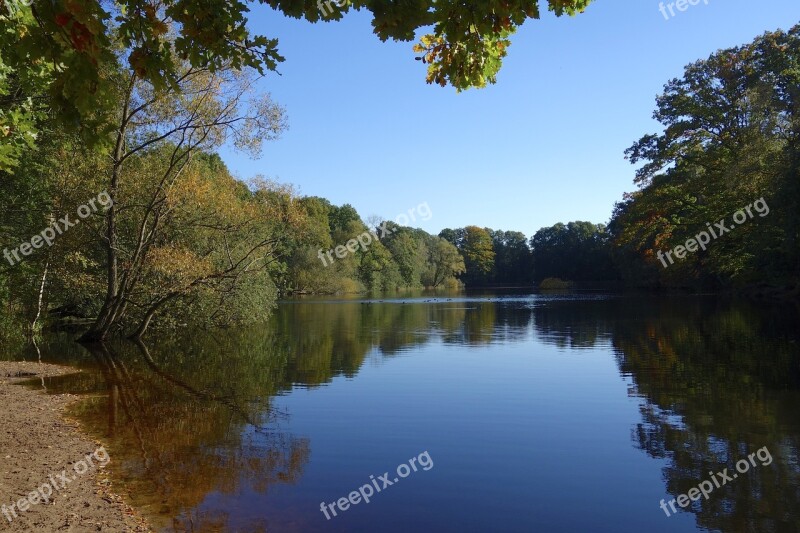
<point x="543" y="145"/>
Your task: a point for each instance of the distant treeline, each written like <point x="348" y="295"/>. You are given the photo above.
<point x="399" y="257"/>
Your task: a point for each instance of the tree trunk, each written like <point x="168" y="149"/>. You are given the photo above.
<point x="107" y="316"/>
<point x="41" y="297"/>
<point x="148" y="317"/>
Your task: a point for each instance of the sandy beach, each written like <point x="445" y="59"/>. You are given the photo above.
<point x="42" y="452"/>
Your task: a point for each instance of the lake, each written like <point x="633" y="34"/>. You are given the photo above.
<point x="510" y="412"/>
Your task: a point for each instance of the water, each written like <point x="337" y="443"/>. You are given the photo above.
<point x="538" y="413"/>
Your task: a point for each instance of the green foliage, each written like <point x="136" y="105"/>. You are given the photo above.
<point x="11" y="323"/>
<point x="409" y="250"/>
<point x="478" y="250"/>
<point x="405" y="258"/>
<point x="577" y="251"/>
<point x="444" y="264"/>
<point x="476" y="247"/>
<point x="513" y="263"/>
<point x="21" y="87"/>
<point x="71" y="49"/>
<point x="468" y="42"/>
<point x="731" y="136"/>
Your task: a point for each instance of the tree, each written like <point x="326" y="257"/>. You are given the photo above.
<point x="731" y="136"/>
<point x="453" y="236"/>
<point x="444" y="263"/>
<point x="23" y="108"/>
<point x="343" y="221"/>
<point x="478" y="253"/>
<point x="87" y="39"/>
<point x="377" y="269"/>
<point x="409" y="251"/>
<point x="577" y="251"/>
<point x="513" y="262"/>
<point x="304" y="272"/>
<point x="158" y="132"/>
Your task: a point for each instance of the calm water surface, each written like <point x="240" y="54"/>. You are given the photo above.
<point x="539" y="413"/>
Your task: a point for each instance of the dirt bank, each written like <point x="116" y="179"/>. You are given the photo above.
<point x="39" y="447"/>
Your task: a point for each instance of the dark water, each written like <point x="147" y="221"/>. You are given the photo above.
<point x="538" y="413"/>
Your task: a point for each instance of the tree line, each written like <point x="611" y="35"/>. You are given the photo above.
<point x="727" y="163"/>
<point x="133" y="100"/>
<point x="181" y="241"/>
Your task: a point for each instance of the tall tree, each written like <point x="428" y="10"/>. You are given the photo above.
<point x="513" y="260"/>
<point x="478" y="255"/>
<point x="445" y="263"/>
<point x="731" y="136"/>
<point x="163" y="129"/>
<point x="410" y="251"/>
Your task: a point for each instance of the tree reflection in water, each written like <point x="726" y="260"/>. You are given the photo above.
<point x="191" y="418"/>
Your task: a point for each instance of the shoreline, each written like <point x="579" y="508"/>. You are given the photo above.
<point x="37" y="443"/>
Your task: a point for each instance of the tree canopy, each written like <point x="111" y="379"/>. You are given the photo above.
<point x="69" y="49"/>
<point x="731" y="136"/>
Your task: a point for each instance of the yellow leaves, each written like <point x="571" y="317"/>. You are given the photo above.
<point x="177" y="265"/>
<point x="189" y="190"/>
<point x="427" y="41"/>
<point x="199" y="196"/>
<point x="432" y="46"/>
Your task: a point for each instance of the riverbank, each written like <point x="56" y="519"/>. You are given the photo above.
<point x="37" y="444"/>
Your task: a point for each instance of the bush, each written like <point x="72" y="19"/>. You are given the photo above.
<point x="555" y="284"/>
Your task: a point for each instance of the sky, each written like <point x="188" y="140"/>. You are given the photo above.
<point x="544" y="145"/>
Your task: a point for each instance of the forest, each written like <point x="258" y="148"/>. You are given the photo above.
<point x="181" y="241"/>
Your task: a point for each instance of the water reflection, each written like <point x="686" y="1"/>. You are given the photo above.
<point x="192" y="425"/>
<point x="719" y="383"/>
<point x="189" y="420"/>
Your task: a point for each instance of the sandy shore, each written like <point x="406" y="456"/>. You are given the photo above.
<point x="38" y="446"/>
